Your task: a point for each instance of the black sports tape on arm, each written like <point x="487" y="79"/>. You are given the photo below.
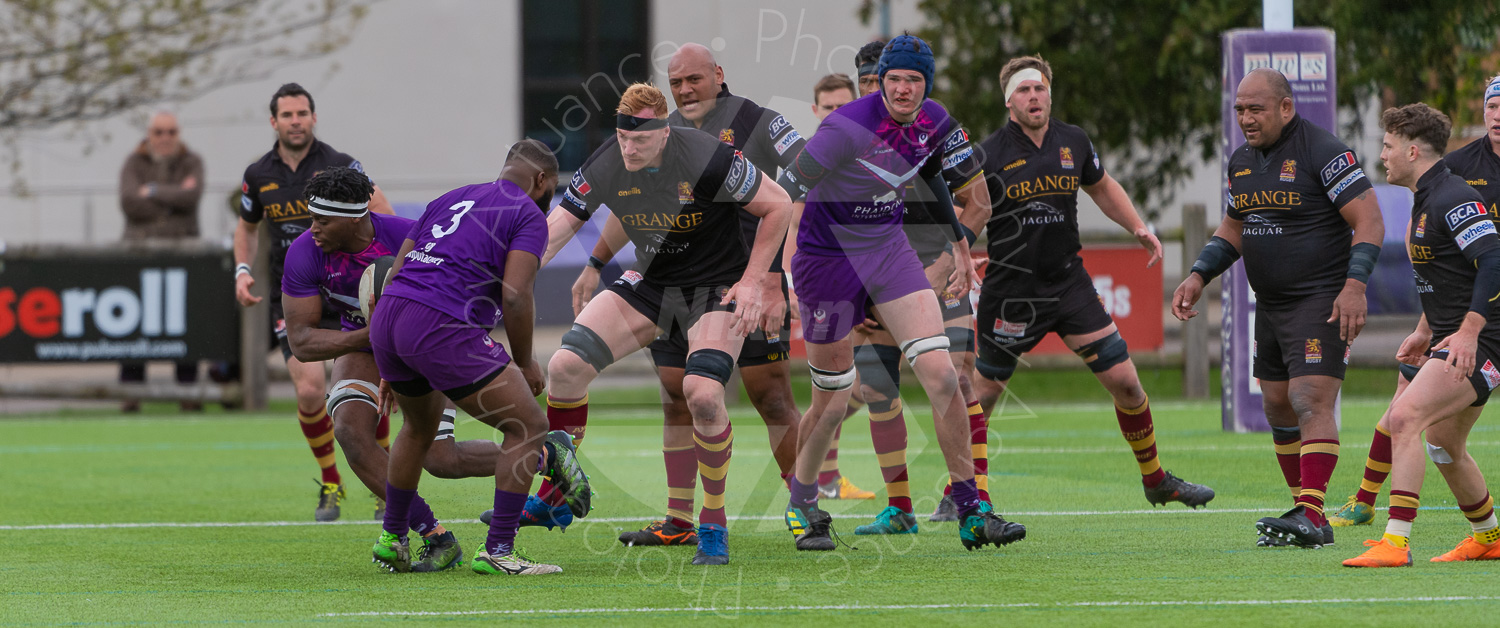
<point x="942" y="209"/>
<point x="1362" y="258"/>
<point x="804" y="175"/>
<point x="1217" y="256"/>
<point x="1486" y="283"/>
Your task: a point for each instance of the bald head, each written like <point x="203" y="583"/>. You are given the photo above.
<point x="695" y="78"/>
<point x="1263" y="106"/>
<point x="162" y="135"/>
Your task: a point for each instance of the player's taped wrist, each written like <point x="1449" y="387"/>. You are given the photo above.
<point x="596" y="263"/>
<point x="242" y="269"/>
<point x="1217" y="256"/>
<point x="1362" y="258"/>
<point x="969" y="234"/>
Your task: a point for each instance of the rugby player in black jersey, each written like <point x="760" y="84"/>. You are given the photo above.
<point x="1036" y="283"/>
<point x="1478" y="163"/>
<point x="1455" y="257"/>
<point x="764" y="137"/>
<point x="1295" y="194"/>
<point x="272" y="190"/>
<point x="678" y="192"/>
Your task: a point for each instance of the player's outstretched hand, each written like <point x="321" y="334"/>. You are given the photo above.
<point x="1414" y="348"/>
<point x="584" y="288"/>
<point x="1186" y="296"/>
<point x="775" y="306"/>
<point x="1461" y="346"/>
<point x="1349" y="310"/>
<point x="536" y="380"/>
<point x="1148" y="240"/>
<point x="242" y="285"/>
<point x="386" y="404"/>
<point x="963" y="274"/>
<point x="748" y="314"/>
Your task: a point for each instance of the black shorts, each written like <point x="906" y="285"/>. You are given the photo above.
<point x="1297" y="340"/>
<point x="1486" y="373"/>
<point x="674" y="309"/>
<point x="671" y="348"/>
<point x="1012" y="322"/>
<point x="330" y="320"/>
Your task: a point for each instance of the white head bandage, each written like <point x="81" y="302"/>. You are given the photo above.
<point x="1028" y="74"/>
<point x="1492" y="90"/>
<point x="334" y="208"/>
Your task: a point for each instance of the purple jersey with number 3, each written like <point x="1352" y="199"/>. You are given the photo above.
<point x="335" y="276"/>
<point x="461" y="241"/>
<point x="870" y="157"/>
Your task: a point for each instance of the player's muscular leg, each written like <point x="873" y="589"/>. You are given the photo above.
<point x="770" y="389"/>
<point x="826" y="412"/>
<point x="911" y="319"/>
<point x="1433" y="397"/>
<point x="421" y="416"/>
<point x="880" y="337"/>
<point x="310" y="385"/>
<point x="1452" y="456"/>
<point x="621" y="327"/>
<point x="354" y="419"/>
<point x="1121" y="380"/>
<point x="963" y="361"/>
<point x="710" y="341"/>
<point x="678" y="427"/>
<point x="1276" y="400"/>
<point x="506" y="404"/>
<point x="1312" y="398"/>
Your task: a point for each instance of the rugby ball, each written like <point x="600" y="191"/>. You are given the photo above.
<point x="372" y="283"/>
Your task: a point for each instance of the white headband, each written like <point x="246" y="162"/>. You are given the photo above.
<point x="1028" y="74"/>
<point x="335" y="208"/>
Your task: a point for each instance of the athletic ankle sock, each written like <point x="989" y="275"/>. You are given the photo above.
<point x="888" y="434"/>
<point x="1403" y="508"/>
<point x="979" y="447"/>
<point x="713" y="454"/>
<point x="1319" y="457"/>
<point x="803" y="495"/>
<point x="1398" y="531"/>
<point x="383" y="432"/>
<point x="419" y="516"/>
<point x="397" y="509"/>
<point x="317" y="428"/>
<point x="1289" y="456"/>
<point x="965" y="496"/>
<point x="682" y="484"/>
<point x="503" y="523"/>
<point x="1377" y="467"/>
<point x="1140" y="433"/>
<point x="571" y="416"/>
<point x="829" y="473"/>
<point x="1482" y="520"/>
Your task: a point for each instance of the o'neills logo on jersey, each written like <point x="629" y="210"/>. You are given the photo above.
<point x="727" y="136"/>
<point x="629" y="192"/>
<point x="1312" y="353"/>
<point x="1289" y="171"/>
<point x="269" y="187"/>
<point x="1065" y="155"/>
<point x="663" y="221"/>
<point x="1242" y="173"/>
<point x="1050" y="184"/>
<point x="1477" y="182"/>
<point x="1014" y="164"/>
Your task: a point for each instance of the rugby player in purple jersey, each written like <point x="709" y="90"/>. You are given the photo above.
<point x="851" y="259"/>
<point x="466" y="266"/>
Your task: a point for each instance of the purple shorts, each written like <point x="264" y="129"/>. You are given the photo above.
<point x="418" y="349"/>
<point x="834" y="292"/>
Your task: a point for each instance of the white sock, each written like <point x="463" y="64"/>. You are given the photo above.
<point x="445" y="426"/>
<point x="1484" y="526"/>
<point x="1397" y="527"/>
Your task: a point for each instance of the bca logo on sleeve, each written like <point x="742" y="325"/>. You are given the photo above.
<point x="1458" y="215"/>
<point x="1339" y="164"/>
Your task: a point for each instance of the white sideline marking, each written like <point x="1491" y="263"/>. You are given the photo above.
<point x="898" y="607"/>
<point x="288" y="524"/>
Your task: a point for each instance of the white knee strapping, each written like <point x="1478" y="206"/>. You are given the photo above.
<point x="352" y="390"/>
<point x="914" y="348"/>
<point x="832" y="380"/>
<point x="1438" y="454"/>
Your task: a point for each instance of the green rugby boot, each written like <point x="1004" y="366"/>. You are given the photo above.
<point x="890" y="521"/>
<point x="439" y="552"/>
<point x="392" y="552"/>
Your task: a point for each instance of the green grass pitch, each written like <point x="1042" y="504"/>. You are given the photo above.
<point x="224" y="504"/>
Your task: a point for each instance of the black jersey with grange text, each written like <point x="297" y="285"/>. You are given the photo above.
<point x="1034" y="229"/>
<point x="1479" y="166"/>
<point x="1294" y="242"/>
<point x="1449" y="229"/>
<point x="762" y="135"/>
<point x="272" y="191"/>
<point x="683" y="216"/>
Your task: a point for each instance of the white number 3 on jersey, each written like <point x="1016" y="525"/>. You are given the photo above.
<point x="462" y="207"/>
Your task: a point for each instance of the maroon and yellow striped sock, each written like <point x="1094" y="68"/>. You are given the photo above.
<point x="571" y="416"/>
<point x="1288" y="442"/>
<point x="713" y="454"/>
<point x="682" y="484"/>
<point x="383" y="432"/>
<point x="829" y="472"/>
<point x="1139" y="431"/>
<point x="888" y="433"/>
<point x="318" y="430"/>
<point x="1319" y="457"/>
<point x="979" y="446"/>
<point x="1377" y="467"/>
<point x="1481" y="516"/>
<point x="1403" y="512"/>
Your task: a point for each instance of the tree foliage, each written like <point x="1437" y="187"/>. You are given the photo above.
<point x="1143" y="78"/>
<point x="80" y="60"/>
